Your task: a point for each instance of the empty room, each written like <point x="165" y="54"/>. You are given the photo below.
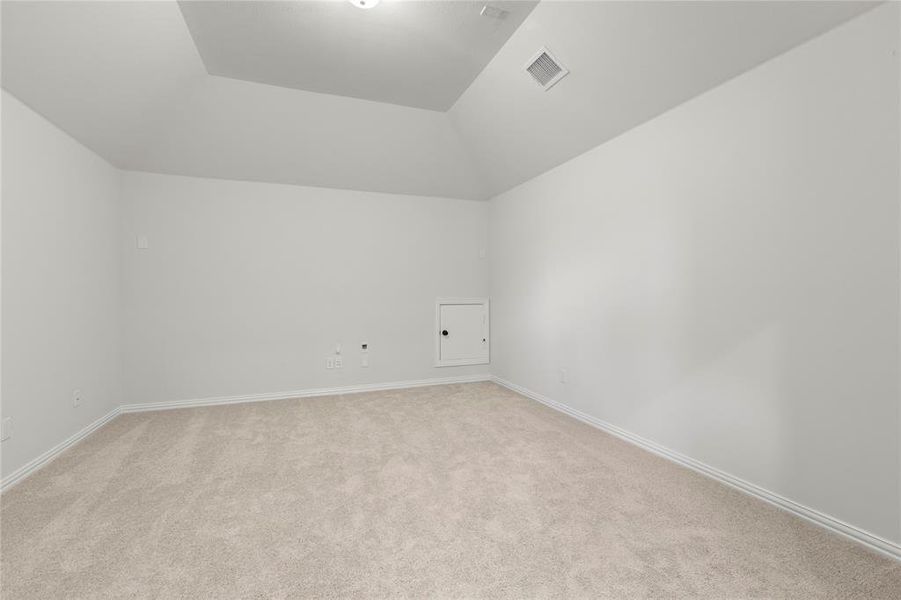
<point x="450" y="299"/>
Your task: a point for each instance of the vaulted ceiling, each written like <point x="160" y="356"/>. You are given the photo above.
<point x="426" y="98"/>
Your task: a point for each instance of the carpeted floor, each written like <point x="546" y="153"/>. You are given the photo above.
<point x="462" y="491"/>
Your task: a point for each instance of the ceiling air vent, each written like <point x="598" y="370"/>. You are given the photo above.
<point x="545" y="69"/>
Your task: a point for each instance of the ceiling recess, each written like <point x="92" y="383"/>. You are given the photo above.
<point x="545" y="69"/>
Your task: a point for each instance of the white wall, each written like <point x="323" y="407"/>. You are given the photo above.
<point x="723" y="280"/>
<point x="247" y="287"/>
<point x="60" y="296"/>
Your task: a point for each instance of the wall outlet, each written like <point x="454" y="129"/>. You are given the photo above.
<point x="6" y="429"/>
<point x="76" y="398"/>
<point x="562" y="375"/>
<point x="329" y="362"/>
<point x="364" y="360"/>
<point x="339" y="362"/>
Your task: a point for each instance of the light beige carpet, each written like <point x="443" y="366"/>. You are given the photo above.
<point x="463" y="491"/>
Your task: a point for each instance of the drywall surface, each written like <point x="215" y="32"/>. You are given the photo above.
<point x="246" y="288"/>
<point x="108" y="73"/>
<point x="241" y="130"/>
<point x="61" y="294"/>
<point x="127" y="80"/>
<point x="420" y="54"/>
<point x="629" y="62"/>
<point x="723" y="280"/>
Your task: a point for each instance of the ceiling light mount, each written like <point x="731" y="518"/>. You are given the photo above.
<point x="364" y="4"/>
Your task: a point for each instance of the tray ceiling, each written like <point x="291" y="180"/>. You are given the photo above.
<point x="127" y="80"/>
<point x="421" y="54"/>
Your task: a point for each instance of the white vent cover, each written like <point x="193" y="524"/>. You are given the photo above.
<point x="545" y="69"/>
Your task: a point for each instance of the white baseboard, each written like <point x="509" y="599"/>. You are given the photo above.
<point x="874" y="542"/>
<point x="309" y="393"/>
<point x="23" y="472"/>
<point x="29" y="468"/>
<point x="870" y="540"/>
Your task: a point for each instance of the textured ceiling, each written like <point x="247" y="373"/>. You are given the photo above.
<point x="108" y="73"/>
<point x="126" y="79"/>
<point x="629" y="62"/>
<point x="422" y="54"/>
